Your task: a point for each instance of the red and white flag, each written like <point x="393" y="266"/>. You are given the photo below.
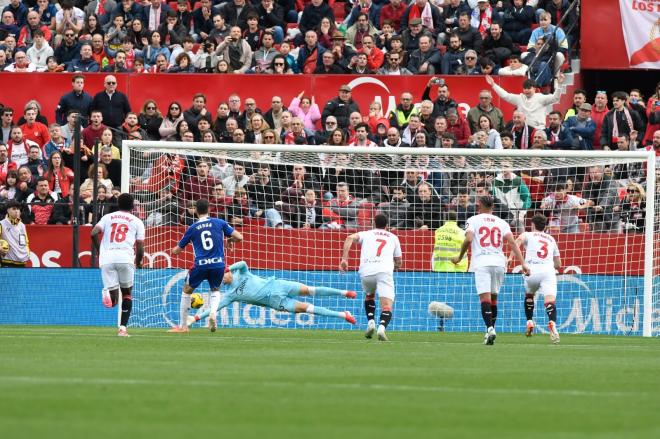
<point x="641" y="32"/>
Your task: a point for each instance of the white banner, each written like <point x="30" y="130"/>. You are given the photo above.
<point x="641" y="32"/>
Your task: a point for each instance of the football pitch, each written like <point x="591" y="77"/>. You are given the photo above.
<point x="65" y="382"/>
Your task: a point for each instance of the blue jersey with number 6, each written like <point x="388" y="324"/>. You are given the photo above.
<point x="208" y="239"/>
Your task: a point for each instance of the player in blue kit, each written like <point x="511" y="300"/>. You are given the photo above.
<point x="208" y="239"/>
<point x="244" y="286"/>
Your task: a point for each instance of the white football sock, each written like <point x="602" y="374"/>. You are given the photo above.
<point x="185" y="304"/>
<point x="214" y="301"/>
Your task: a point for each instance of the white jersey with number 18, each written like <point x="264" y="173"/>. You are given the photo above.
<point x="488" y="241"/>
<point x="540" y="251"/>
<point x="120" y="231"/>
<point x="379" y="248"/>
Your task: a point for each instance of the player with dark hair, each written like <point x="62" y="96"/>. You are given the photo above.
<point x="278" y="294"/>
<point x="542" y="256"/>
<point x="208" y="239"/>
<point x="120" y="253"/>
<point x="380" y="255"/>
<point x="488" y="261"/>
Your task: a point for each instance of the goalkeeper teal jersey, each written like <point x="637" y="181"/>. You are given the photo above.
<point x="246" y="287"/>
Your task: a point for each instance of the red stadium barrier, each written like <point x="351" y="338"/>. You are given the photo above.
<point x="47" y="88"/>
<point x="268" y="248"/>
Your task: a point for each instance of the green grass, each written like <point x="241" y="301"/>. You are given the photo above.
<point x="238" y="383"/>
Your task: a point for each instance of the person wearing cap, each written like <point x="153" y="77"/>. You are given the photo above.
<point x="343" y="52"/>
<point x="426" y="58"/>
<point x="426" y="12"/>
<point x="582" y="127"/>
<point x="341" y="107"/>
<point x="412" y="33"/>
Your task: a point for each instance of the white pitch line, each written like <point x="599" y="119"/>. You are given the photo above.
<point x="33" y="380"/>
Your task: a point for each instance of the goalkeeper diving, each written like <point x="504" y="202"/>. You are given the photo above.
<point x="244" y="286"/>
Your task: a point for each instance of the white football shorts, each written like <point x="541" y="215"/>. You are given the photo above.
<point x="488" y="279"/>
<point x="117" y="275"/>
<point x="380" y="283"/>
<point x="541" y="282"/>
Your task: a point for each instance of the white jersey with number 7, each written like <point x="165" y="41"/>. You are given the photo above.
<point x="488" y="241"/>
<point x="378" y="250"/>
<point x="120" y="231"/>
<point x="540" y="251"/>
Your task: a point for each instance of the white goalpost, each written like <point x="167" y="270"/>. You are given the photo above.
<point x="295" y="205"/>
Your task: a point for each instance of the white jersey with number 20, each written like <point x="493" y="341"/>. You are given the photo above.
<point x="540" y="251"/>
<point x="120" y="231"/>
<point x="488" y="241"/>
<point x="379" y="248"/>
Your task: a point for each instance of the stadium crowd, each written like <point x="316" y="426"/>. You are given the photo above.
<point x="302" y="37"/>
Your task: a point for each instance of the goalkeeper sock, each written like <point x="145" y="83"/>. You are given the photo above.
<point x="370" y="307"/>
<point x="126" y="307"/>
<point x="183" y="311"/>
<point x="551" y="311"/>
<point x="487" y="313"/>
<point x="385" y="316"/>
<point x="529" y="306"/>
<point x="493" y="310"/>
<point x="325" y="291"/>
<point x="319" y="310"/>
<point x="214" y="301"/>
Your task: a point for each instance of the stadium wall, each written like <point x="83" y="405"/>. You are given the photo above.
<point x="165" y="88"/>
<point x="586" y="303"/>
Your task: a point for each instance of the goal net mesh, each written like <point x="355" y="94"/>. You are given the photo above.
<point x="295" y="209"/>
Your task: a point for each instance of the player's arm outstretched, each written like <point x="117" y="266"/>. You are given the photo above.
<point x="517" y="253"/>
<point x="235" y="237"/>
<point x="348" y="243"/>
<point x="467" y="241"/>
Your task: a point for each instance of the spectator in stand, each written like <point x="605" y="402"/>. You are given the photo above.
<point x="26" y="184"/>
<point x="77" y="99"/>
<point x="512" y="193"/>
<point x="411" y="34"/>
<point x="203" y="21"/>
<point x="264" y="195"/>
<point x="3" y="58"/>
<point x="556" y="38"/>
<point x="69" y="17"/>
<point x="92" y="133"/>
<point x="60" y="178"/>
<point x="149" y="120"/>
<point x="361" y="65"/>
<point x="470" y="66"/>
<point x="112" y="165"/>
<point x="653" y="115"/>
<point x="539" y="140"/>
<point x="398" y="210"/>
<point x="196" y="112"/>
<point x="112" y="104"/>
<point x="274" y="115"/>
<point x="482" y="18"/>
<point x="26" y="36"/>
<point x="518" y="19"/>
<point x="632" y="209"/>
<point x="498" y="46"/>
<point x="579" y="98"/>
<point x="636" y="102"/>
<point x="559" y="137"/>
<point x="103" y="8"/>
<point x="154" y="14"/>
<point x="563" y="208"/>
<point x="131" y="129"/>
<point x="236" y="12"/>
<point x="426" y="59"/>
<point x="392" y="65"/>
<point x="35" y="162"/>
<point x="263" y="57"/>
<point x="167" y="129"/>
<point x="6" y="165"/>
<point x="18" y="10"/>
<point x="330" y="134"/>
<point x="236" y="50"/>
<point x="68" y="50"/>
<point x="459" y="127"/>
<point x="21" y="63"/>
<point x="341" y="107"/>
<point x="235" y="181"/>
<point x="59" y="144"/>
<point x="85" y="63"/>
<point x="603" y="194"/>
<point x="619" y="120"/>
<point x="598" y="112"/>
<point x="470" y="37"/>
<point x="106" y="140"/>
<point x="414" y="126"/>
<point x="521" y="133"/>
<point x="426" y="208"/>
<point x="6" y="124"/>
<point x="311" y="17"/>
<point x="582" y="127"/>
<point x="342" y="210"/>
<point x="329" y="65"/>
<point x="252" y="33"/>
<point x="34" y="130"/>
<point x="44" y="206"/>
<point x="39" y="51"/>
<point x="271" y="19"/>
<point x="443" y="101"/>
<point x="306" y="109"/>
<point x="464" y="206"/>
<point x="485" y="107"/>
<point x="172" y="32"/>
<point x="392" y="11"/>
<point x="361" y="28"/>
<point x="515" y="67"/>
<point x="18" y="148"/>
<point x="8" y="25"/>
<point x="533" y="105"/>
<point x="9" y="184"/>
<point x="201" y="185"/>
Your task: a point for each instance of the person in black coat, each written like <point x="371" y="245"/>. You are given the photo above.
<point x="341" y="107"/>
<point x="112" y="104"/>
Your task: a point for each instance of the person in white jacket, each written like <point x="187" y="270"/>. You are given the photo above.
<point x="40" y="51"/>
<point x="535" y="106"/>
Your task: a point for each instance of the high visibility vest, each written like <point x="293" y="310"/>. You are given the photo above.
<point x="448" y="241"/>
<point x="402" y="119"/>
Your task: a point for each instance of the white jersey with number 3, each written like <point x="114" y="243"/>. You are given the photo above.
<point x="540" y="251"/>
<point x="488" y="241"/>
<point x="379" y="248"/>
<point x="120" y="231"/>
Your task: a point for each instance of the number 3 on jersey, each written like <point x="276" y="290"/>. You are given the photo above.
<point x="542" y="253"/>
<point x="118" y="232"/>
<point x="490" y="237"/>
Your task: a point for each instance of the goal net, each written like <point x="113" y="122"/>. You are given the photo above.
<point x="295" y="205"/>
